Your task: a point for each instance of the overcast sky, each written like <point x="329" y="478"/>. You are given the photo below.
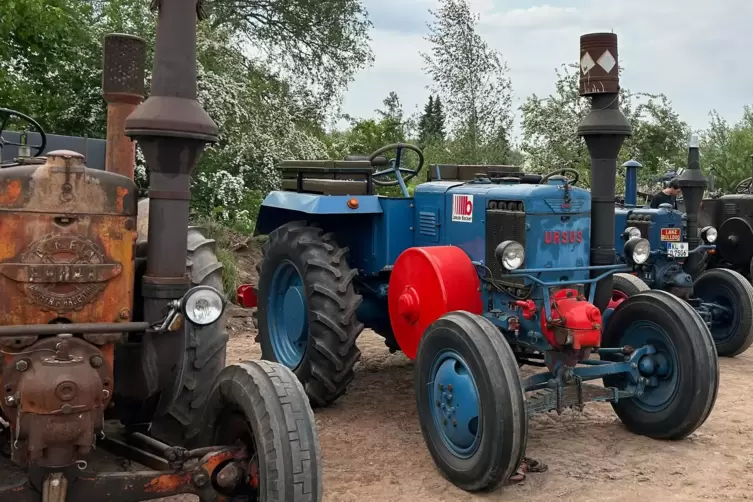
<point x="697" y="52"/>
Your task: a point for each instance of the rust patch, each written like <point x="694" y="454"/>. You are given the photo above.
<point x="122" y="192"/>
<point x="12" y="192"/>
<point x="167" y="483"/>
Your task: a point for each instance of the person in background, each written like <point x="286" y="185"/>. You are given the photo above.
<point x="667" y="195"/>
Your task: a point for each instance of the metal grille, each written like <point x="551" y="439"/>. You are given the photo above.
<point x="503" y="225"/>
<point x="427" y="223"/>
<point x="642" y="223"/>
<point x="730" y="209"/>
<point x="124" y="65"/>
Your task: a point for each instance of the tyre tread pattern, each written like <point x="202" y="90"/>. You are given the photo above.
<point x="332" y="300"/>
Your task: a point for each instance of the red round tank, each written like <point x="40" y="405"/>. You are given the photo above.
<point x="426" y="283"/>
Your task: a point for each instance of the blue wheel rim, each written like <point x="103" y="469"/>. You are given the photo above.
<point x="455" y="404"/>
<point x="661" y="368"/>
<point x="287" y="315"/>
<point x="724" y="327"/>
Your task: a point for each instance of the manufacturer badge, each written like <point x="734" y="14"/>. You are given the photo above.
<point x="670" y="234"/>
<point x="462" y="208"/>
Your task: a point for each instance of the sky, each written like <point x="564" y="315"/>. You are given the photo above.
<point x="697" y="52"/>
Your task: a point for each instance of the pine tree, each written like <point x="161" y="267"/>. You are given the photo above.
<point x="438" y="120"/>
<point x="425" y="124"/>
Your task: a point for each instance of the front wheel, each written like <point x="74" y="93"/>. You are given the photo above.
<point x="623" y="287"/>
<point x="683" y="375"/>
<point x="729" y="297"/>
<point x="470" y="401"/>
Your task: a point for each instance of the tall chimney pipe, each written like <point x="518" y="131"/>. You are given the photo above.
<point x="123" y="73"/>
<point x="631" y="181"/>
<point x="172" y="130"/>
<point x="750" y="185"/>
<point x="693" y="183"/>
<point x="604" y="130"/>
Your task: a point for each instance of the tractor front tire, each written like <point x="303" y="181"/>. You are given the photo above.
<point x="624" y="286"/>
<point x="307" y="309"/>
<point x="682" y="376"/>
<point x="263" y="406"/>
<point x="732" y="330"/>
<point x="470" y="401"/>
<point x="205" y="351"/>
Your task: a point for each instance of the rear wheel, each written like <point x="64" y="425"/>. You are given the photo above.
<point x="729" y="297"/>
<point x="307" y="309"/>
<point x="470" y="401"/>
<point x="683" y="375"/>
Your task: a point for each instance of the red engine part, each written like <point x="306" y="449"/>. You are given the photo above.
<point x="575" y="321"/>
<point x="246" y="296"/>
<point x="54" y="393"/>
<point x="426" y="283"/>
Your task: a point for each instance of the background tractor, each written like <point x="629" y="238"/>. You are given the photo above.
<point x="472" y="278"/>
<point x="112" y="328"/>
<point x="732" y="215"/>
<point x="676" y="257"/>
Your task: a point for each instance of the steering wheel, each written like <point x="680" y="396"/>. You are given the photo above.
<point x="743" y="187"/>
<point x="6" y="114"/>
<point x="396" y="169"/>
<point x="561" y="172"/>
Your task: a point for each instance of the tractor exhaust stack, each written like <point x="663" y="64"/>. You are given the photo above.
<point x="604" y="129"/>
<point x="631" y="181"/>
<point x="123" y="72"/>
<point x="172" y="130"/>
<point x="693" y="183"/>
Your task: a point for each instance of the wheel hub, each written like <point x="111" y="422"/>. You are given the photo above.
<point x="457" y="406"/>
<point x="294" y="306"/>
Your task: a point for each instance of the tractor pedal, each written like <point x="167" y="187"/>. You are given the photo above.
<point x="569" y="397"/>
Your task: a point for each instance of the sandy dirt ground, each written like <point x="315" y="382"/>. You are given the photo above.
<point x="373" y="449"/>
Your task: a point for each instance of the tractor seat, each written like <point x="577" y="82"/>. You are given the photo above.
<point x="348" y="177"/>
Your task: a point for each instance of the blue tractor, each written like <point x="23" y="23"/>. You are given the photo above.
<point x="673" y="257"/>
<point x="472" y="279"/>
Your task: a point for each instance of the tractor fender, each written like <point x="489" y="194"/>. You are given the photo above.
<point x="281" y="207"/>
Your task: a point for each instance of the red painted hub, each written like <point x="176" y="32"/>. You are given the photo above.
<point x="617" y="298"/>
<point x="425" y="284"/>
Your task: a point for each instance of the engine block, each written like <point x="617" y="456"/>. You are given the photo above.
<point x="67" y="236"/>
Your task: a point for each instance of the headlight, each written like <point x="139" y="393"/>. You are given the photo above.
<point x="638" y="250"/>
<point x="510" y="254"/>
<point x="709" y="234"/>
<point x="203" y="305"/>
<point x="631" y="232"/>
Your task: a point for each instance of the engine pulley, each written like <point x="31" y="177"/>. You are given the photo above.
<point x="426" y="283"/>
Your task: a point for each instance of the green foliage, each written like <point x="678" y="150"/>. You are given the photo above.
<point x="726" y="150"/>
<point x="658" y="141"/>
<point x="471" y="80"/>
<point x="431" y="124"/>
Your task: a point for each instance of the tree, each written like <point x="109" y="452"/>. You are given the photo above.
<point x="659" y="137"/>
<point x="726" y="150"/>
<point x="438" y="120"/>
<point x="322" y="43"/>
<point x="471" y="79"/>
<point x="431" y="122"/>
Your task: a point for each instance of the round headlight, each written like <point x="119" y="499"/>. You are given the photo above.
<point x="510" y="254"/>
<point x="203" y="305"/>
<point x="638" y="250"/>
<point x="709" y="234"/>
<point x="631" y="232"/>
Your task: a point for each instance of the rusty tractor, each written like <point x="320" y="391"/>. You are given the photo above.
<point x="112" y="313"/>
<point x="472" y="278"/>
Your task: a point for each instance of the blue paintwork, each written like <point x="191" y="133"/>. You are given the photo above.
<point x="288" y="324"/>
<point x="660" y="368"/>
<point x="458" y="414"/>
<point x="385" y="227"/>
<point x="631" y="181"/>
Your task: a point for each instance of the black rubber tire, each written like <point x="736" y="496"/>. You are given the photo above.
<point x="205" y="351"/>
<point x="695" y="395"/>
<point x="628" y="284"/>
<point x="735" y="289"/>
<point x="277" y="411"/>
<point x="327" y="367"/>
<point x="504" y="422"/>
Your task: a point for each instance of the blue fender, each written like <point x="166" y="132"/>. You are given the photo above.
<point x="281" y="207"/>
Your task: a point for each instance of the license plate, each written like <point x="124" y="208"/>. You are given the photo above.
<point x="670" y="234"/>
<point x="677" y="249"/>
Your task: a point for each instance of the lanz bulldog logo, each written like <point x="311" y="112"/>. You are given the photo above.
<point x="61" y="273"/>
<point x="462" y="208"/>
